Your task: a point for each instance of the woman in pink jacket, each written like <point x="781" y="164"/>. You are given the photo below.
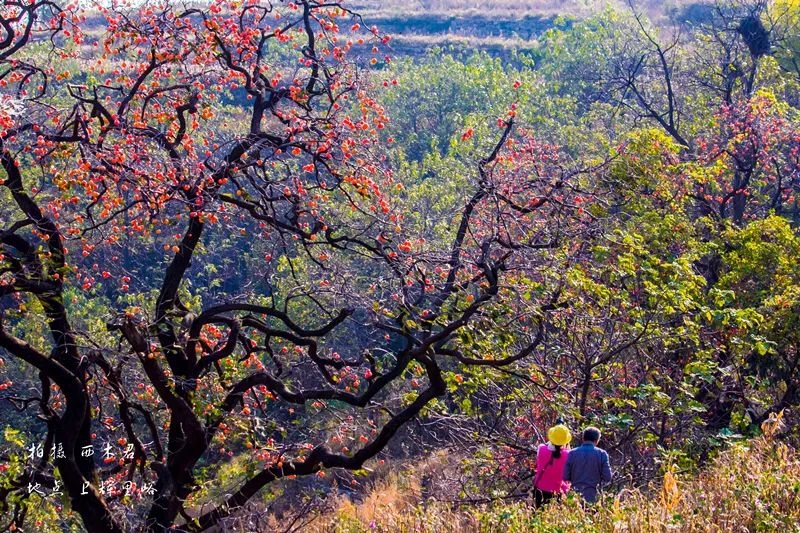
<point x="550" y="461"/>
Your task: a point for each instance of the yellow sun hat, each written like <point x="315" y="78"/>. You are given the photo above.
<point x="559" y="435"/>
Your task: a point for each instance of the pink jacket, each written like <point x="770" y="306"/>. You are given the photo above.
<point x="550" y="471"/>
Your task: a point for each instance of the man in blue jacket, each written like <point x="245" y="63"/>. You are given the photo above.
<point x="587" y="466"/>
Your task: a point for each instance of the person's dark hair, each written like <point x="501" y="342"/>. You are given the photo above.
<point x="591" y="434"/>
<point x="557" y="451"/>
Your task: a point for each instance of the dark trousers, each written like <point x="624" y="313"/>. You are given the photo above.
<point x="541" y="497"/>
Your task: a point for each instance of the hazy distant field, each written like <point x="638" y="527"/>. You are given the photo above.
<point x="488" y="7"/>
<point x="515" y="7"/>
<point x="494" y="25"/>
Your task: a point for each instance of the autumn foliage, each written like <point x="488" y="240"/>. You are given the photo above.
<point x="241" y="246"/>
<point x="243" y="125"/>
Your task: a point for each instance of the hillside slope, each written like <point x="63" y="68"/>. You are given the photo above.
<point x="764" y="496"/>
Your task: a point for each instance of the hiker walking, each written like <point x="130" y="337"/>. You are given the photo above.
<point x="550" y="460"/>
<point x="587" y="466"/>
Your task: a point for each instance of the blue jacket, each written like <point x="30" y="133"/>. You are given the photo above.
<point x="587" y="468"/>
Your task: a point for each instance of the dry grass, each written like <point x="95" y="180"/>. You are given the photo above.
<point x="753" y="487"/>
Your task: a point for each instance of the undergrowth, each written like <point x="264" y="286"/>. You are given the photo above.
<point x="752" y="486"/>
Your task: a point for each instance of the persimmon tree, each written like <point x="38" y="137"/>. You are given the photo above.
<point x="751" y="163"/>
<point x="184" y="135"/>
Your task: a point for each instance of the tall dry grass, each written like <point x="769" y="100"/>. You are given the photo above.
<point x="750" y="487"/>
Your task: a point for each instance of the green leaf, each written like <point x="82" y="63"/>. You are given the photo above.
<point x="13" y="436"/>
